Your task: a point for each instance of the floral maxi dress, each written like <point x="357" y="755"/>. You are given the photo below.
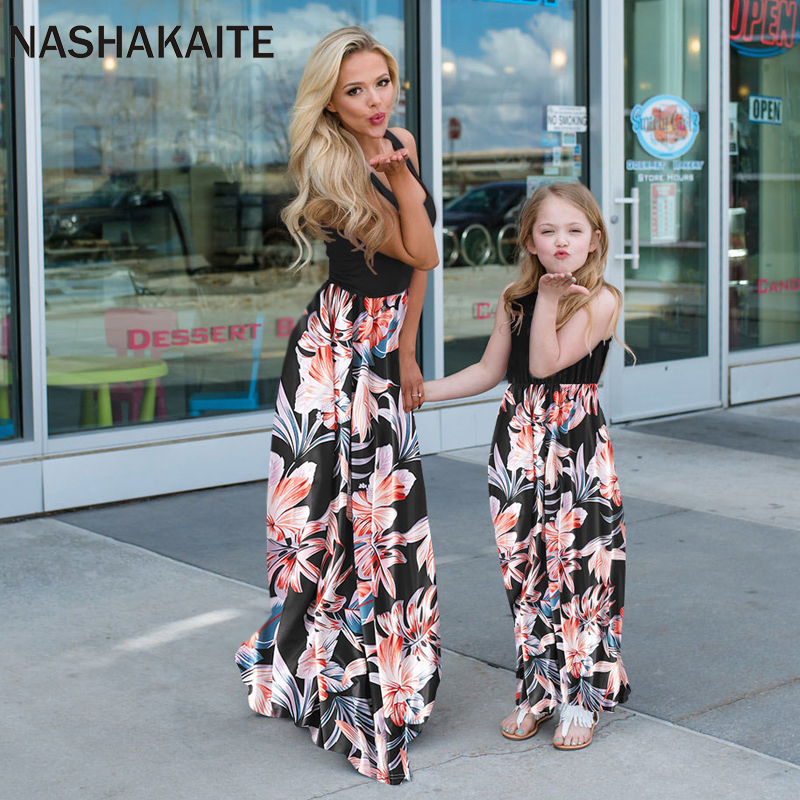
<point x="557" y="513"/>
<point x="351" y="648"/>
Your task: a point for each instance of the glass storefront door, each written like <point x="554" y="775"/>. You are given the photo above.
<point x="666" y="206"/>
<point x="504" y="66"/>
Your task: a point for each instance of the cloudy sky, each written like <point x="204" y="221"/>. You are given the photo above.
<point x="504" y="74"/>
<point x="504" y="62"/>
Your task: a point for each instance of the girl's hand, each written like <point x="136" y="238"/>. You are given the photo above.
<point x="411" y="384"/>
<point x="390" y="163"/>
<point x="556" y="285"/>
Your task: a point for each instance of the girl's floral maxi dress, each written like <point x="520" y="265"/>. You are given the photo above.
<point x="557" y="513"/>
<point x="351" y="647"/>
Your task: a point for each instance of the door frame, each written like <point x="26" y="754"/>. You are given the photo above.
<point x="669" y="387"/>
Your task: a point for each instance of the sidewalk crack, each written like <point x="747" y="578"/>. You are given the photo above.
<point x="745" y="696"/>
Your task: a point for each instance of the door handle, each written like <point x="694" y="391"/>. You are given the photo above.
<point x="633" y="202"/>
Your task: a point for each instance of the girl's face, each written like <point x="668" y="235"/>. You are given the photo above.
<point x="562" y="236"/>
<point x="363" y="95"/>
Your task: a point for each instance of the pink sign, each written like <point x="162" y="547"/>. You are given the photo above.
<point x="482" y="311"/>
<point x="765" y="287"/>
<point x="161" y="340"/>
<point x="284" y="327"/>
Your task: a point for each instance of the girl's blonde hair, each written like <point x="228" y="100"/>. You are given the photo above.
<point x="590" y="275"/>
<point x="326" y="162"/>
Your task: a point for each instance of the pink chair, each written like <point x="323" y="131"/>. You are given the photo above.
<point x="119" y="322"/>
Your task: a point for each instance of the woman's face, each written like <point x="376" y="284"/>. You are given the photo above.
<point x="562" y="236"/>
<point x="363" y="94"/>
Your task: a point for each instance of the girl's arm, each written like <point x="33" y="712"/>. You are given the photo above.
<point x="411" y="386"/>
<point x="412" y="240"/>
<point x="552" y="351"/>
<point x="484" y="375"/>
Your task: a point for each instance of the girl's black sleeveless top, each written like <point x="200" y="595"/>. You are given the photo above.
<point x="347" y="266"/>
<point x="587" y="370"/>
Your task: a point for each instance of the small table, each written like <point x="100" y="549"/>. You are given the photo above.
<point x="100" y="372"/>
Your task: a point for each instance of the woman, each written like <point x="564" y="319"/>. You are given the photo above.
<point x="351" y="649"/>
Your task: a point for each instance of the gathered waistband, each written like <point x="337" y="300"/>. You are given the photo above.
<point x="360" y="292"/>
<point x="536" y="383"/>
<point x="547" y="395"/>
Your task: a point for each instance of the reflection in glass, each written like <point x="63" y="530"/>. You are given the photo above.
<point x="499" y="74"/>
<point x="166" y="290"/>
<point x="666" y="296"/>
<point x="764" y="200"/>
<point x="9" y="351"/>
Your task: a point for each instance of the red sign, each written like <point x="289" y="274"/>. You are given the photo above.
<point x="454" y="128"/>
<point x="482" y="311"/>
<point x="763" y="28"/>
<point x="142" y="340"/>
<point x="765" y="287"/>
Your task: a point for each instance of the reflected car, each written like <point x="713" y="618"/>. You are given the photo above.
<point x="120" y="221"/>
<point x="117" y="220"/>
<point x="480" y="225"/>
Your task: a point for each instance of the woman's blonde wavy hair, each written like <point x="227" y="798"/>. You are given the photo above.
<point x="589" y="275"/>
<point x="326" y="162"/>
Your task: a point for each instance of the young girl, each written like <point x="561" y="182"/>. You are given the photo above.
<point x="553" y="490"/>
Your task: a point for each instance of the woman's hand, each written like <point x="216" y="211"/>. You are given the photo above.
<point x="411" y="384"/>
<point x="556" y="285"/>
<point x="390" y="163"/>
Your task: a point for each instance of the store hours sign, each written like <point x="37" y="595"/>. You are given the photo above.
<point x="666" y="127"/>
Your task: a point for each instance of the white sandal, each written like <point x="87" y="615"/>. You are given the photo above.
<point x="580" y="717"/>
<point x="519" y="735"/>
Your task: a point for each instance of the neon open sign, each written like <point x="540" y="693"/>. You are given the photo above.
<point x="763" y="28"/>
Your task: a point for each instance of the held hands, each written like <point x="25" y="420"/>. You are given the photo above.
<point x="411" y="384"/>
<point x="555" y="285"/>
<point x="390" y="164"/>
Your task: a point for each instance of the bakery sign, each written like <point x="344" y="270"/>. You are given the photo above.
<point x="666" y="126"/>
<point x="763" y="28"/>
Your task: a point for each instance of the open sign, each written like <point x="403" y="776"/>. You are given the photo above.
<point x="763" y="28"/>
<point x="766" y="110"/>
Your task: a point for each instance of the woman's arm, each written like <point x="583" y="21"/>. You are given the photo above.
<point x="552" y="351"/>
<point x="484" y="375"/>
<point x="411" y="385"/>
<point x="412" y="240"/>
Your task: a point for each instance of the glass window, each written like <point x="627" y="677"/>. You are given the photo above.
<point x="764" y="249"/>
<point x="500" y="73"/>
<point x="666" y="150"/>
<point x="9" y="348"/>
<point x="166" y="293"/>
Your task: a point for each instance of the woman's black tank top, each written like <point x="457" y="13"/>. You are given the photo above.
<point x="347" y="266"/>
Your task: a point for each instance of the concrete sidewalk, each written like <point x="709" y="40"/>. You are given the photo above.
<point x="120" y="626"/>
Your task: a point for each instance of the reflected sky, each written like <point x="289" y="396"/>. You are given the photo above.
<point x="504" y="57"/>
<point x="501" y="69"/>
<point x="156" y="111"/>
